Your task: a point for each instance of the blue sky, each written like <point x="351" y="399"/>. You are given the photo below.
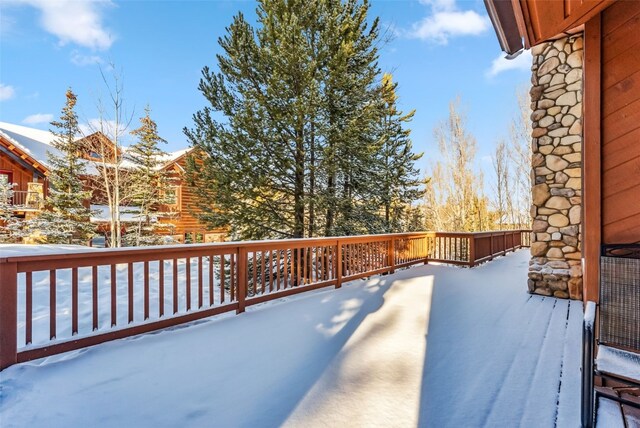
<point x="439" y="50"/>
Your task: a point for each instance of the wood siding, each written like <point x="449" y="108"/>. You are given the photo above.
<point x="620" y="123"/>
<point x="185" y="220"/>
<point x="21" y="173"/>
<point x="546" y="19"/>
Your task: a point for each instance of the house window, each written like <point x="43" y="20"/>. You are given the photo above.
<point x="172" y="195"/>
<point x="5" y="177"/>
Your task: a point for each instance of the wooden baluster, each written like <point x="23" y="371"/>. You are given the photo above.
<point x="160" y="288"/>
<point x="28" y="330"/>
<point x="130" y="290"/>
<point x="338" y="264"/>
<point x="94" y="297"/>
<point x="278" y="270"/>
<point x="74" y="301"/>
<point x="52" y="304"/>
<point x="187" y="273"/>
<point x="200" y="290"/>
<point x="255" y="274"/>
<point x="314" y="255"/>
<point x="298" y="273"/>
<point x="222" y="281"/>
<point x="146" y="290"/>
<point x="211" y="280"/>
<point x="175" y="286"/>
<point x="305" y="266"/>
<point x="243" y="276"/>
<point x="232" y="276"/>
<point x="286" y="268"/>
<point x="114" y="288"/>
<point x="262" y="272"/>
<point x="391" y="255"/>
<point x="270" y="270"/>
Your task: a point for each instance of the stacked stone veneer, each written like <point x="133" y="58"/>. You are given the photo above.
<point x="556" y="100"/>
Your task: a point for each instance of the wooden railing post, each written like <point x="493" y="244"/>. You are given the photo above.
<point x="426" y="249"/>
<point x="339" y="264"/>
<point x="491" y="246"/>
<point x="472" y="250"/>
<point x="242" y="279"/>
<point x="504" y="243"/>
<point x="8" y="314"/>
<point x="391" y="255"/>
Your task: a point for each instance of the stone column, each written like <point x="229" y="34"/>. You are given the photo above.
<point x="556" y="100"/>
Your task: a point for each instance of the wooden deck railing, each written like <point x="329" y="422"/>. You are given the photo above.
<point x="51" y="304"/>
<point x="25" y="200"/>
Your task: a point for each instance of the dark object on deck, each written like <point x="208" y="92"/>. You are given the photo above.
<point x="618" y="341"/>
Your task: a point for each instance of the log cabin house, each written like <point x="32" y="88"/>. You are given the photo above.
<point x="585" y="103"/>
<point x="23" y="161"/>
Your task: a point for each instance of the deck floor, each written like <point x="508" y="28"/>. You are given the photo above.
<point x="431" y="346"/>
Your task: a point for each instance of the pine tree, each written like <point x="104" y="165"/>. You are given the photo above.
<point x="149" y="183"/>
<point x="350" y="107"/>
<point x="399" y="185"/>
<point x="295" y="155"/>
<point x="9" y="225"/>
<point x="66" y="219"/>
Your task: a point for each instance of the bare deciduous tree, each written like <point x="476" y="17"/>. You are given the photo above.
<point x="501" y="186"/>
<point x="454" y="199"/>
<point x="110" y="179"/>
<point x="519" y="152"/>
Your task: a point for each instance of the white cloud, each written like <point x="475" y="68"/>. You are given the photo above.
<point x="81" y="60"/>
<point x="34" y="119"/>
<point x="447" y="21"/>
<point x="500" y="64"/>
<point x="6" y="92"/>
<point x="440" y="5"/>
<point x="107" y="127"/>
<point x="75" y="21"/>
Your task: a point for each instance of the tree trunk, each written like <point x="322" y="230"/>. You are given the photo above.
<point x="298" y="204"/>
<point x="312" y="182"/>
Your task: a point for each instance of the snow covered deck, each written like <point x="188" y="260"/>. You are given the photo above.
<point x="427" y="346"/>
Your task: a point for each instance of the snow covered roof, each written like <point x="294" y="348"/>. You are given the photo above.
<point x="175" y="155"/>
<point x="101" y="214"/>
<point x="37" y="142"/>
<point x="34" y="142"/>
<point x="171" y="157"/>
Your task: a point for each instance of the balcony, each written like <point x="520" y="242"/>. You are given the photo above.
<point x="426" y="345"/>
<point x="31" y="199"/>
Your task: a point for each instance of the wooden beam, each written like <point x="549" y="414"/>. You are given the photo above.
<point x="591" y="159"/>
<point x="521" y="22"/>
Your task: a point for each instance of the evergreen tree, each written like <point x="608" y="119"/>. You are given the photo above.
<point x="9" y="224"/>
<point x="296" y="152"/>
<point x="66" y="219"/>
<point x="149" y="183"/>
<point x="398" y="182"/>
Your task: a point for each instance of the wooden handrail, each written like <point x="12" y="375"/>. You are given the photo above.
<point x="125" y="297"/>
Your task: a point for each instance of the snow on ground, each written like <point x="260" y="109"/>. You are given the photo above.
<point x="431" y="346"/>
<point x="17" y="250"/>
